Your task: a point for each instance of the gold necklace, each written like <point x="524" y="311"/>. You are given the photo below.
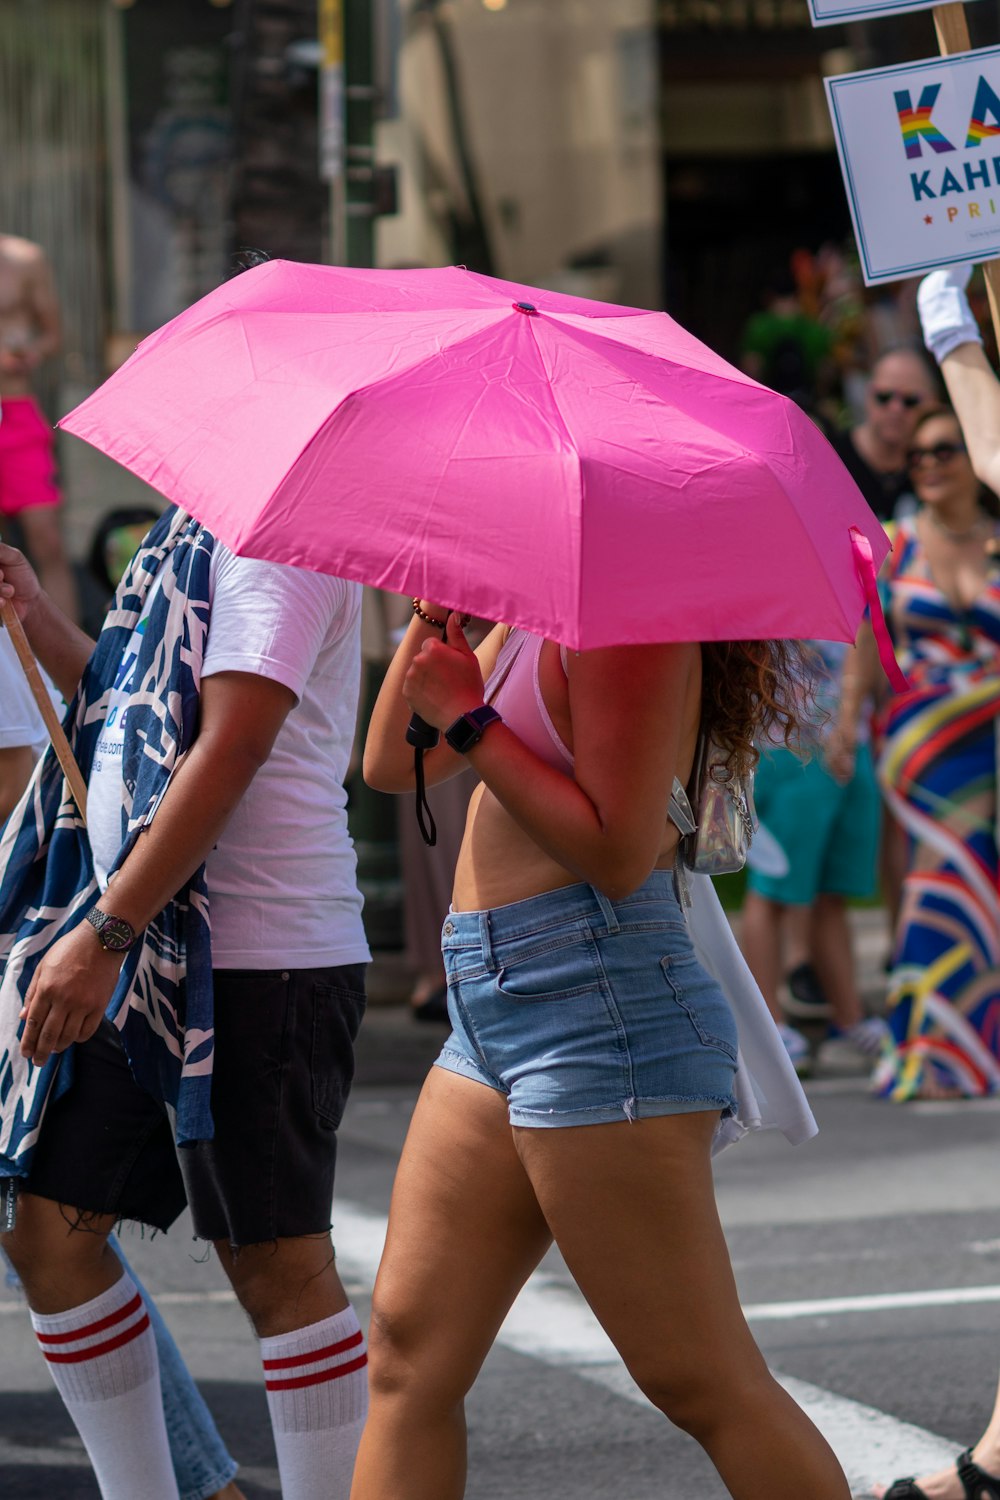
<point x="968" y="535"/>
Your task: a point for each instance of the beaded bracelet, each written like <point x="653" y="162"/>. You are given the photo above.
<point x="427" y="619"/>
<point x="430" y="620"/>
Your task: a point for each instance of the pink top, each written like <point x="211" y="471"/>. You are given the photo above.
<point x="514" y="691"/>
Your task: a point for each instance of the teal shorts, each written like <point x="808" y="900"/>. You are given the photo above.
<point x="829" y="831"/>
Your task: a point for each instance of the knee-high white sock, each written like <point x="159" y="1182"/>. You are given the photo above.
<point x="317" y="1394"/>
<point x="102" y="1357"/>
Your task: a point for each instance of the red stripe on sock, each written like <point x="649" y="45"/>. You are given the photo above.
<point x="96" y="1350"/>
<point x="310" y="1359"/>
<point x="90" y="1328"/>
<point x="319" y="1377"/>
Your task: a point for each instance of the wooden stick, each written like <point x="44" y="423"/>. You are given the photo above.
<point x="39" y="692"/>
<point x="952" y="36"/>
<point x="952" y="29"/>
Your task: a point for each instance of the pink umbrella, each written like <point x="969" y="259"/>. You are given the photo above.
<point x="589" y="472"/>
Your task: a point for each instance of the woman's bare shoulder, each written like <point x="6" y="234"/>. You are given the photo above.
<point x="490" y="647"/>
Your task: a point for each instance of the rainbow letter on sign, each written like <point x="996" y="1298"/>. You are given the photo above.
<point x="985" y="104"/>
<point x="916" y="123"/>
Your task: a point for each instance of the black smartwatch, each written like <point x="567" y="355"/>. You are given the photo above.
<point x="116" y="935"/>
<point x="469" y="729"/>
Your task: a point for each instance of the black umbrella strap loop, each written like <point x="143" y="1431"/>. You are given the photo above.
<point x="429" y="836"/>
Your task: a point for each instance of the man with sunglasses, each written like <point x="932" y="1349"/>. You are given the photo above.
<point x="902" y="386"/>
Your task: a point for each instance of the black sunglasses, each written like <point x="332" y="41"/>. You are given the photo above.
<point x="905" y="398"/>
<point x="940" y="453"/>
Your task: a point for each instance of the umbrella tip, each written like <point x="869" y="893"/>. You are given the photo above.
<point x="525" y="307"/>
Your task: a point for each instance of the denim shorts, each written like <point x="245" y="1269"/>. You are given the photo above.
<point x="584" y="1011"/>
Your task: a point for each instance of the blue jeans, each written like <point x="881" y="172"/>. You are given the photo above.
<point x="202" y="1463"/>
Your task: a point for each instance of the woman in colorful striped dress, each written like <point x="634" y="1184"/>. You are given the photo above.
<point x="938" y="771"/>
<point x="953" y="337"/>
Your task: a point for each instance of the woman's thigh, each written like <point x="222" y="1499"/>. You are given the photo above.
<point x="632" y="1208"/>
<point x="465" y="1232"/>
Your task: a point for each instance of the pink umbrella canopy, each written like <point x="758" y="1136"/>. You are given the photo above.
<point x="590" y="472"/>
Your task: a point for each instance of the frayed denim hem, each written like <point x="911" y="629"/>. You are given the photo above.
<point x="456" y="1062"/>
<point x="628" y="1112"/>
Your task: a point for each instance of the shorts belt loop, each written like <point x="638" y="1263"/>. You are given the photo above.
<point x="487" y="942"/>
<point x="607" y="911"/>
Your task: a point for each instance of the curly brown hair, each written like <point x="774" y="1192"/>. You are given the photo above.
<point x="750" y="689"/>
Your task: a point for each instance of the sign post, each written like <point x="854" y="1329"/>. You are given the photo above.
<point x="39" y="692"/>
<point x="953" y="36"/>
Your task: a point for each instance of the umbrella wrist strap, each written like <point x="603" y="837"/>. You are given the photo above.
<point x="425" y="818"/>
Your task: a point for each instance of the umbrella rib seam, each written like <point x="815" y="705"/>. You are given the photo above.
<point x="550" y="384"/>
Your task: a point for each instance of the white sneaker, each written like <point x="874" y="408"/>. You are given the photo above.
<point x="796" y="1046"/>
<point x="864" y="1036"/>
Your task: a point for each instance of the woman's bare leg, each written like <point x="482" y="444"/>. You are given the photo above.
<point x="833" y="955"/>
<point x="658" y="1277"/>
<point x="760" y="939"/>
<point x="465" y="1232"/>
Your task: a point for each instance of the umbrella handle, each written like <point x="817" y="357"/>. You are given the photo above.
<point x="39" y="692"/>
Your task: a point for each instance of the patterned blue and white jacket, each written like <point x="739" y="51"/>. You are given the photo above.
<point x="162" y="1004"/>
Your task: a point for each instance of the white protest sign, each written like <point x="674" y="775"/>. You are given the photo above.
<point x="830" y="12"/>
<point x="919" y="148"/>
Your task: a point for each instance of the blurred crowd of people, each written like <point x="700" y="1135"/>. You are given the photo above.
<point x="857" y="362"/>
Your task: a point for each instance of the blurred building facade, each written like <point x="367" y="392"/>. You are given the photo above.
<point x="144" y="139"/>
<point x="528" y="131"/>
<point x="639" y="150"/>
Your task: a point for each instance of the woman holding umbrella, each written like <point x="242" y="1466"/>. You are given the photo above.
<point x="592" y="1057"/>
<point x="597" y="476"/>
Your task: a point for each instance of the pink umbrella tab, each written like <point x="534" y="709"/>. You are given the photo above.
<point x="865" y="565"/>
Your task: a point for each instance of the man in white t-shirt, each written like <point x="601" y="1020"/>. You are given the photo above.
<point x="259" y="799"/>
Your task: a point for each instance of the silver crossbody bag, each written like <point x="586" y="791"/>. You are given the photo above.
<point x="717" y="817"/>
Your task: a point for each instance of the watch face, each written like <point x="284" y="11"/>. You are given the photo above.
<point x="468" y="730"/>
<point x="117" y="934"/>
<point x="464" y="735"/>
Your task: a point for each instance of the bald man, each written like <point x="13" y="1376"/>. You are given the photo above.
<point x="29" y="334"/>
<point x="901" y="387"/>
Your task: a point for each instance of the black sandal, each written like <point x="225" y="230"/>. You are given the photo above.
<point x="977" y="1484"/>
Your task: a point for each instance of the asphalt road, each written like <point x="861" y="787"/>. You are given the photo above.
<point x="868" y="1262"/>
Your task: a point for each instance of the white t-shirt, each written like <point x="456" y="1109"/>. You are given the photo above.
<point x="282" y="879"/>
<point x="20" y="720"/>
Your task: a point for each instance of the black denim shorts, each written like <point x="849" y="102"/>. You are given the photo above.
<point x="284" y="1063"/>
